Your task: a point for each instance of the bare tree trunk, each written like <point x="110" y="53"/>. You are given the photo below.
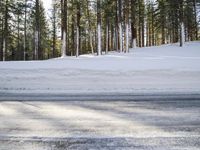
<point x="111" y="38"/>
<point x="182" y="34"/>
<point x="107" y="34"/>
<point x="18" y="40"/>
<point x="73" y="36"/>
<point x="133" y="24"/>
<point x="196" y="22"/>
<point x="120" y="25"/>
<point x="140" y="28"/>
<point x="77" y="41"/>
<point x="99" y="51"/>
<point x="4" y="49"/>
<point x="37" y="30"/>
<point x="127" y="25"/>
<point x="54" y="31"/>
<point x="78" y="29"/>
<point x="152" y="28"/>
<point x="64" y="27"/>
<point x="116" y="29"/>
<point x="25" y="20"/>
<point x="181" y="26"/>
<point x="5" y="35"/>
<point x="1" y="45"/>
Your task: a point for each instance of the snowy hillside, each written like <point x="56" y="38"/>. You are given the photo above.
<point x="163" y="69"/>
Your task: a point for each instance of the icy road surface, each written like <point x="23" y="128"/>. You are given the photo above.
<point x="139" y="125"/>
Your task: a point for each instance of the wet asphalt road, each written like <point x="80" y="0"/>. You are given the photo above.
<point x="61" y="125"/>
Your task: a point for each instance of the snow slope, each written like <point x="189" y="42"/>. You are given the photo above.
<point x="162" y="69"/>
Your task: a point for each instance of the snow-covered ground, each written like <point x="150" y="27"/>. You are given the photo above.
<point x="165" y="69"/>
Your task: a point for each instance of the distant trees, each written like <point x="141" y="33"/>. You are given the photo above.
<point x="75" y="27"/>
<point x="24" y="30"/>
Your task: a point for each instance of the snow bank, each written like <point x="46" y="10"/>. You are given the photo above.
<point x="161" y="69"/>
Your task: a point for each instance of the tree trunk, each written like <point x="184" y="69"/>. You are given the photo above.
<point x="107" y="34"/>
<point x="116" y="29"/>
<point x="120" y="25"/>
<point x="195" y="15"/>
<point x="181" y="26"/>
<point x="133" y="24"/>
<point x="89" y="30"/>
<point x="127" y="25"/>
<point x="64" y="26"/>
<point x="73" y="36"/>
<point x="18" y="36"/>
<point x="78" y="29"/>
<point x="37" y="18"/>
<point x="152" y="28"/>
<point x="5" y="35"/>
<point x="1" y="45"/>
<point x="182" y="34"/>
<point x="25" y="20"/>
<point x="99" y="51"/>
<point x="143" y="26"/>
<point x="54" y="31"/>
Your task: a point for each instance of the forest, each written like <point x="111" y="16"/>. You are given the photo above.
<point x="76" y="27"/>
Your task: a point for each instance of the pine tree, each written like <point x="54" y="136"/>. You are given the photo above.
<point x="25" y="32"/>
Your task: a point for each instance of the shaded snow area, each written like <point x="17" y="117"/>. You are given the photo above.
<point x="103" y="125"/>
<point x="166" y="69"/>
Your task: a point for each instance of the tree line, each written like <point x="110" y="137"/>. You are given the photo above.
<point x="75" y="27"/>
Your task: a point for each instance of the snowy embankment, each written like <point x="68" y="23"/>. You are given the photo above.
<point x="166" y="70"/>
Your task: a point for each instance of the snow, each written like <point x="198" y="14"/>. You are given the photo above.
<point x="150" y="58"/>
<point x="162" y="69"/>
